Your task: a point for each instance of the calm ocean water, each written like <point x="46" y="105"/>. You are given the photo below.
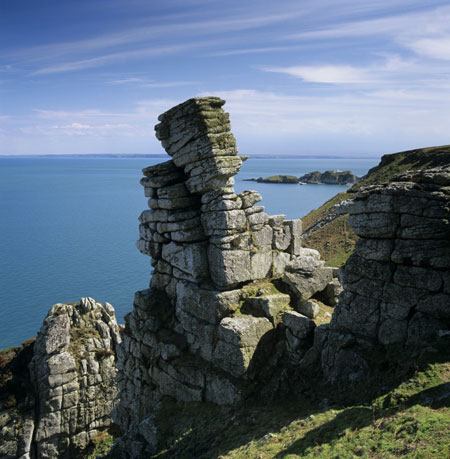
<point x="68" y="228"/>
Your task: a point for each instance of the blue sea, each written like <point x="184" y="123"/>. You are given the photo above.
<point x="68" y="227"/>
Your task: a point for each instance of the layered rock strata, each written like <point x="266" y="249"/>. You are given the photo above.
<point x="210" y="320"/>
<point x="397" y="282"/>
<point x="72" y="373"/>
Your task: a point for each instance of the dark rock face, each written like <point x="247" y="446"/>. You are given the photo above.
<point x="205" y="328"/>
<point x="72" y="379"/>
<point x="396" y="284"/>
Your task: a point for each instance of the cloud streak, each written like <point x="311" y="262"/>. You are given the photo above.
<point x="333" y="74"/>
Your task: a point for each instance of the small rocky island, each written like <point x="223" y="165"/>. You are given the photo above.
<point x="330" y="178"/>
<point x="316" y="177"/>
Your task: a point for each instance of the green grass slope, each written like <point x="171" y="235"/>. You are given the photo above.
<point x="335" y="240"/>
<point x="401" y="411"/>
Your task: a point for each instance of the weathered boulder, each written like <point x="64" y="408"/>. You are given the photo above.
<point x="72" y="387"/>
<point x="299" y="334"/>
<point x="270" y="306"/>
<point x="73" y="369"/>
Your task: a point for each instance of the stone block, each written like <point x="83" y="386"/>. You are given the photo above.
<point x="229" y="220"/>
<point x="276" y="220"/>
<point x="243" y="331"/>
<point x="280" y="261"/>
<point x="229" y="267"/>
<point x="300" y="325"/>
<point x="189" y="258"/>
<point x="173" y="192"/>
<point x="208" y="305"/>
<point x="271" y="306"/>
<point x="233" y="359"/>
<point x="281" y="237"/>
<point x="263" y="237"/>
<point x="295" y="228"/>
<point x="261" y="264"/>
<point x="258" y="219"/>
<point x="375" y="225"/>
<point x="249" y="198"/>
<point x="308" y="308"/>
<point x="305" y="285"/>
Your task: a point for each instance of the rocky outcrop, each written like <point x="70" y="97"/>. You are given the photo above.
<point x="315" y="178"/>
<point x="330" y="178"/>
<point x="286" y="179"/>
<point x="396" y="284"/>
<point x="211" y="326"/>
<point x="72" y="384"/>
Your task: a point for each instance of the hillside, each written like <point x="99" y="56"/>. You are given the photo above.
<point x="400" y="412"/>
<point x="330" y="234"/>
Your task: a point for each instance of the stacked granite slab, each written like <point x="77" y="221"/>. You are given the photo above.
<point x="197" y="229"/>
<point x="197" y="334"/>
<point x="397" y="282"/>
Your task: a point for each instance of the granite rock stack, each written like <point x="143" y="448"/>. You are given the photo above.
<point x="210" y="320"/>
<point x="71" y="386"/>
<point x="397" y="282"/>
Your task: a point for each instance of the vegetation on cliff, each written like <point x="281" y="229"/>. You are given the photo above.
<point x="14" y="377"/>
<point x="330" y="233"/>
<point x="402" y="410"/>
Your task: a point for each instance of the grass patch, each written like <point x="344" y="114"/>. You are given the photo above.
<point x="101" y="445"/>
<point x="335" y="241"/>
<point x="325" y="209"/>
<point x="410" y="418"/>
<point x="325" y="313"/>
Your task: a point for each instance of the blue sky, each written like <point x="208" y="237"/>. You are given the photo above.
<point x="326" y="77"/>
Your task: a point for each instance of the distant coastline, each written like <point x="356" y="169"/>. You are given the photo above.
<point x="164" y="155"/>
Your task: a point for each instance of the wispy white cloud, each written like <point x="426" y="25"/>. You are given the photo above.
<point x="113" y="57"/>
<point x="420" y="116"/>
<point x="260" y="50"/>
<point x="336" y="74"/>
<point x="436" y="48"/>
<point x="92" y="130"/>
<point x="426" y="32"/>
<point x="137" y="121"/>
<point x="432" y="21"/>
<point x="144" y="83"/>
<point x="156" y="37"/>
<point x="380" y="72"/>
